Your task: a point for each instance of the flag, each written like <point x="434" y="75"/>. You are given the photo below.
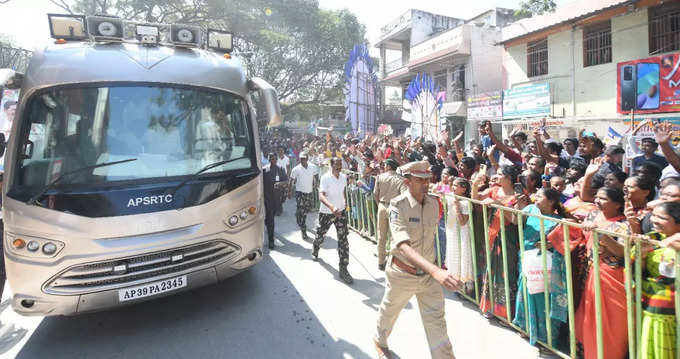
<point x="613" y="137"/>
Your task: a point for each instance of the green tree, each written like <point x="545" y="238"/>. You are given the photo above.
<point x="293" y="44"/>
<point x="530" y="8"/>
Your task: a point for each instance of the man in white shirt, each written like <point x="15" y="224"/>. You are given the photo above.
<point x="332" y="211"/>
<point x="302" y="176"/>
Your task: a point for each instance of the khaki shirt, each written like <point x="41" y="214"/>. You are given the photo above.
<point x="414" y="223"/>
<point x="387" y="186"/>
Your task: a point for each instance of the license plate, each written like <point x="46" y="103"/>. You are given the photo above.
<point x="150" y="289"/>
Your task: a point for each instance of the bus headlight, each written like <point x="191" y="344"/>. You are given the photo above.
<point x="29" y="246"/>
<point x="49" y="248"/>
<point x="33" y="246"/>
<point x="241" y="216"/>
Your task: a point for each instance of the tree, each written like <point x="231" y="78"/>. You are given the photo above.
<point x="529" y="8"/>
<point x="293" y="44"/>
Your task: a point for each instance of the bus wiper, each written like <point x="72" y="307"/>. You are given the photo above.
<point x="192" y="177"/>
<point x="35" y="198"/>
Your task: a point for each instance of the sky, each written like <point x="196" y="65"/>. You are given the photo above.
<point x="26" y="20"/>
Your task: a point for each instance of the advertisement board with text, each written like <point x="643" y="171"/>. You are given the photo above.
<point x="650" y="85"/>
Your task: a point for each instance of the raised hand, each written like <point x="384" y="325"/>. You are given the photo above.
<point x="490" y="151"/>
<point x="458" y="137"/>
<point x="663" y="132"/>
<point x="595" y="165"/>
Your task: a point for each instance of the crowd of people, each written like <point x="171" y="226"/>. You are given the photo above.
<point x="577" y="180"/>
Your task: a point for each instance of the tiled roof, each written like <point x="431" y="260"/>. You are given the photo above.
<point x="564" y="14"/>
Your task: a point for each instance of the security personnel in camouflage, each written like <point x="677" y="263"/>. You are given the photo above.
<point x="413" y="223"/>
<point x="388" y="185"/>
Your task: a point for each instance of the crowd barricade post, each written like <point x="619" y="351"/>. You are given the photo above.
<point x="546" y="283"/>
<point x="473" y="249"/>
<point x="638" y="303"/>
<point x="677" y="303"/>
<point x="632" y="348"/>
<point x="571" y="306"/>
<point x="489" y="275"/>
<point x="506" y="278"/>
<point x="525" y="292"/>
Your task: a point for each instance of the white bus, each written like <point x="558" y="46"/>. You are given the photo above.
<point x="132" y="169"/>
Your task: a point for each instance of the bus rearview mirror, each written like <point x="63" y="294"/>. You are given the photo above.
<point x="3" y="144"/>
<point x="270" y="100"/>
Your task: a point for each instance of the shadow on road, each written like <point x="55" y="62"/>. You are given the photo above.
<point x="256" y="314"/>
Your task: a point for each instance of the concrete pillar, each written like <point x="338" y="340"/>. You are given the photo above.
<point x="383" y="61"/>
<point x="405" y="52"/>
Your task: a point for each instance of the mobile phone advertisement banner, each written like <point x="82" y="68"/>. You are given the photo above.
<point x="650" y="85"/>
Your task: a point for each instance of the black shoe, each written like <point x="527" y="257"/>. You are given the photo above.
<point x="381" y="266"/>
<point x="346" y="277"/>
<point x="271" y="245"/>
<point x="315" y="254"/>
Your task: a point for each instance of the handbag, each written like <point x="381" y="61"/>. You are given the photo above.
<point x="532" y="268"/>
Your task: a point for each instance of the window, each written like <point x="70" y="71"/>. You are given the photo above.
<point x="458" y="83"/>
<point x="440" y="80"/>
<point x="664" y="28"/>
<point x="597" y="44"/>
<point x="537" y="58"/>
<point x="167" y="131"/>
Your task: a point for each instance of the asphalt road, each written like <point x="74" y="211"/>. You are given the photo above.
<point x="288" y="306"/>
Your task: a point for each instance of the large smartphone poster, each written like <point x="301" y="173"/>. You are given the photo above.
<point x="650" y="85"/>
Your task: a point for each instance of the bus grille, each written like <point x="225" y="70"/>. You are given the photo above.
<point x="120" y="272"/>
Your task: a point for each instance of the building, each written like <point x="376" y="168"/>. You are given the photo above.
<point x="462" y="56"/>
<point x="576" y="54"/>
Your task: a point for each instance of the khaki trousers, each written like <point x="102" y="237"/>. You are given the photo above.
<point x="400" y="288"/>
<point x="383" y="230"/>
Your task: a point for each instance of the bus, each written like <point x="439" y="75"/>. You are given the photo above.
<point x="132" y="169"/>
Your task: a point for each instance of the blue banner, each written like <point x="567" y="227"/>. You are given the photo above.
<point x="526" y="101"/>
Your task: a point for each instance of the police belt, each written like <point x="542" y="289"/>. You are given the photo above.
<point x="407" y="268"/>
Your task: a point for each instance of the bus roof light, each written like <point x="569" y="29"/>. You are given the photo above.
<point x="67" y="27"/>
<point x="220" y="40"/>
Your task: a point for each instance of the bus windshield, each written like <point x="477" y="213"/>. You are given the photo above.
<point x="169" y="131"/>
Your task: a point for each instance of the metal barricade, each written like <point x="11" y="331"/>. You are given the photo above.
<point x="361" y="208"/>
<point x="632" y="275"/>
<point x="483" y="264"/>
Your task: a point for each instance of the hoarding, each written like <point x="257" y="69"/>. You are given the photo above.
<point x="486" y="106"/>
<point x="526" y="101"/>
<point x="650" y="85"/>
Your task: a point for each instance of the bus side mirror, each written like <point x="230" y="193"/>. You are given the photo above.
<point x="3" y="144"/>
<point x="269" y="98"/>
<point x="11" y="79"/>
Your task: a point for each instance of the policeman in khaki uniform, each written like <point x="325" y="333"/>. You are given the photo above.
<point x="387" y="186"/>
<point x="413" y="222"/>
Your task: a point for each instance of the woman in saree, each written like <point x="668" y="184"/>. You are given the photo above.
<point x="503" y="195"/>
<point x="547" y="203"/>
<point x="608" y="217"/>
<point x="658" y="290"/>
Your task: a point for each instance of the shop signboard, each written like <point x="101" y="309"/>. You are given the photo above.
<point x="485" y="106"/>
<point x="526" y="101"/>
<point x="650" y="85"/>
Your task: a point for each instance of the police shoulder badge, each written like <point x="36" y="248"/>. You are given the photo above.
<point x="394" y="214"/>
